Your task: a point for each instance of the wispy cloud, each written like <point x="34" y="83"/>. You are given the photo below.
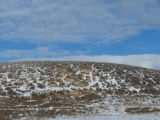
<point x="34" y="53"/>
<point x="91" y="21"/>
<point x="42" y="22"/>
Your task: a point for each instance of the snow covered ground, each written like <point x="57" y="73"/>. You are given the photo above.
<point x="114" y="117"/>
<point x="107" y="117"/>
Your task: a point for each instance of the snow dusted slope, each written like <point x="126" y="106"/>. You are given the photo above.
<point x="59" y="88"/>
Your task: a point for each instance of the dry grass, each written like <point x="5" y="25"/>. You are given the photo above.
<point x="142" y="110"/>
<point x="4" y="115"/>
<point x="67" y="102"/>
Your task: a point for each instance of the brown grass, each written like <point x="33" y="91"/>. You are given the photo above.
<point x="4" y="116"/>
<point x="142" y="110"/>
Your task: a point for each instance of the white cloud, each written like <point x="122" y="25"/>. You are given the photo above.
<point x="91" y="21"/>
<point x="145" y="60"/>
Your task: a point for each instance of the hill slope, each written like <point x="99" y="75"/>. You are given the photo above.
<point x="70" y="88"/>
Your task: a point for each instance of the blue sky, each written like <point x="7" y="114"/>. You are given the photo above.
<point x="121" y="31"/>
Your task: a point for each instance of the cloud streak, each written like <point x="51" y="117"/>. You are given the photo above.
<point x="89" y="21"/>
<point x="34" y="53"/>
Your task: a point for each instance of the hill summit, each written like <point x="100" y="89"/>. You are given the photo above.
<point x="47" y="88"/>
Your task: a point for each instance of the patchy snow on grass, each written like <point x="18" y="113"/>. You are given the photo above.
<point x="134" y="89"/>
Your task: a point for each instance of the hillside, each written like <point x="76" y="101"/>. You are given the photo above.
<point x="48" y="89"/>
